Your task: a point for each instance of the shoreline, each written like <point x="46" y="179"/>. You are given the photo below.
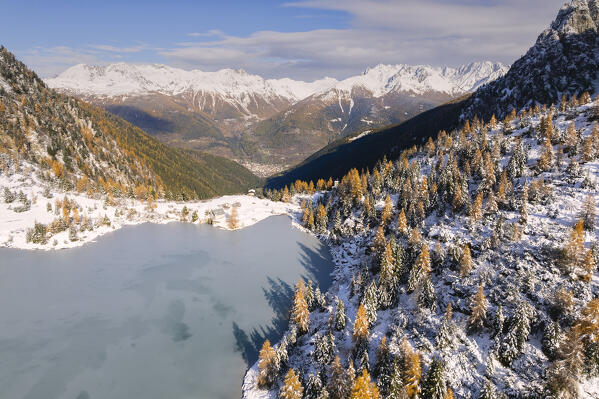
<point x="96" y="218"/>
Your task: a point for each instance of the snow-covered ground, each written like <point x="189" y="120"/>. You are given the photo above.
<point x="14" y="224"/>
<point x="470" y="356"/>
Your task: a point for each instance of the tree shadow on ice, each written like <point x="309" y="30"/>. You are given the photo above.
<point x="279" y="295"/>
<point x="317" y="264"/>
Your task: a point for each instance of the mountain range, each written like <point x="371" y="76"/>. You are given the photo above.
<point x="272" y="121"/>
<point x="563" y="61"/>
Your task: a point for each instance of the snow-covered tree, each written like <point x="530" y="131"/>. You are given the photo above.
<point x="589" y="213"/>
<point x="420" y="269"/>
<point x="465" y="261"/>
<point x="339" y="383"/>
<point x="361" y="325"/>
<point x="267" y="365"/>
<point x="434" y="386"/>
<point x="364" y="388"/>
<point x="300" y="314"/>
<point x="292" y="387"/>
<point x="340" y="317"/>
<point x="478" y="312"/>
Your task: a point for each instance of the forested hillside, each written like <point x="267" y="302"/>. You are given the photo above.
<point x="466" y="268"/>
<point x="84" y="147"/>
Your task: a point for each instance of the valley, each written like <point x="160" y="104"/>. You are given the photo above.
<point x="266" y="124"/>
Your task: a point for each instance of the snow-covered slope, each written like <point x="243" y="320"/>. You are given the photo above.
<point x="123" y="79"/>
<point x="421" y="79"/>
<point x="489" y="212"/>
<point x="131" y="79"/>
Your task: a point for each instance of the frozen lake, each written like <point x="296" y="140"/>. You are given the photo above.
<point x="150" y="311"/>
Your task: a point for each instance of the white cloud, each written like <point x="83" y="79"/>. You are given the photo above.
<point x="115" y="49"/>
<point x="439" y="32"/>
<point x="53" y="60"/>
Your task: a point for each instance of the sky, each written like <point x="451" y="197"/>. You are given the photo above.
<point x="304" y="39"/>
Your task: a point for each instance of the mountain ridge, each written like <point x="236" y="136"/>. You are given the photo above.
<point x="564" y="60"/>
<point x="120" y="79"/>
<point x="269" y="122"/>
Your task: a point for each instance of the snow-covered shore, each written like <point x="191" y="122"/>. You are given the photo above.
<point x="42" y="204"/>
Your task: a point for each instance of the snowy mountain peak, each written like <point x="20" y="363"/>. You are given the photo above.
<point x="564" y="60"/>
<point x="121" y="79"/>
<point x="132" y="79"/>
<point x="419" y="79"/>
<point x="577" y="17"/>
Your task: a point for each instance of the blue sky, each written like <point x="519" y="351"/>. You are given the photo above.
<point x="301" y="40"/>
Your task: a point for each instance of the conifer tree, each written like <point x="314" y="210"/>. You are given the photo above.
<point x="564" y="372"/>
<point x="478" y="314"/>
<point x="588" y="265"/>
<point x="339" y="384"/>
<point x="489" y="391"/>
<point x="340" y="316"/>
<point x="310" y="219"/>
<point x="398" y="260"/>
<point x="300" y="315"/>
<point x="588" y="149"/>
<point x="589" y="323"/>
<point x="292" y="387"/>
<point x="387" y="277"/>
<point x="324" y="348"/>
<point x="364" y="388"/>
<point x="546" y="158"/>
<point x="524" y="205"/>
<point x="415" y="239"/>
<point x="383" y="368"/>
<point x="476" y="211"/>
<point x="552" y="336"/>
<point x="518" y="332"/>
<point x="379" y="243"/>
<point x="434" y="386"/>
<point x="396" y="385"/>
<point x="491" y="207"/>
<point x="465" y="261"/>
<point x="266" y="365"/>
<point x="448" y="394"/>
<point x="575" y="246"/>
<point x="286" y="197"/>
<point x="412" y="373"/>
<point x="571" y="138"/>
<point x="493" y="122"/>
<point x="427" y="297"/>
<point x="362" y="357"/>
<point x="361" y="325"/>
<point x="313" y="387"/>
<point x="589" y="213"/>
<point x="458" y="198"/>
<point x="370" y="302"/>
<point x="421" y="268"/>
<point x="309" y="294"/>
<point x="321" y="219"/>
<point x="387" y="211"/>
<point x="337" y="221"/>
<point x="366" y="210"/>
<point x="503" y="188"/>
<point x="444" y="335"/>
<point x="281" y="353"/>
